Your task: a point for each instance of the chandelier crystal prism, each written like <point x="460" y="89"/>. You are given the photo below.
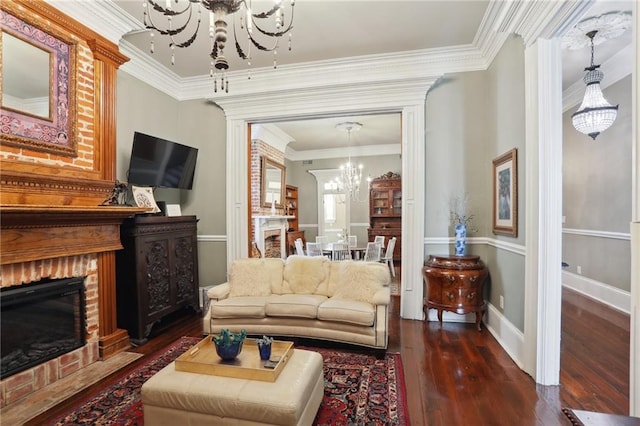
<point x="350" y="173"/>
<point x="595" y="114"/>
<point x="183" y="18"/>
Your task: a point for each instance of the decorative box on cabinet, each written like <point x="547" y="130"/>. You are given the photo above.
<point x="455" y="284"/>
<point x="156" y="272"/>
<point x="385" y="210"/>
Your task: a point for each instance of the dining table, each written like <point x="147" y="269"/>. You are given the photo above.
<point x="357" y="253"/>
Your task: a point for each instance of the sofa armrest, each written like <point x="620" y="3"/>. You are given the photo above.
<point x="381" y="297"/>
<point x="219" y="292"/>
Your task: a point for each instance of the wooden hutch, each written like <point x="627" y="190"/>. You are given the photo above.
<point x="385" y="210"/>
<point x="291" y="209"/>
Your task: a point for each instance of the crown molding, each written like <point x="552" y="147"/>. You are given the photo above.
<point x="615" y="69"/>
<point x="103" y="17"/>
<point x="148" y="70"/>
<point x="355" y="151"/>
<point x="272" y="135"/>
<point x="387" y="96"/>
<point x="538" y="19"/>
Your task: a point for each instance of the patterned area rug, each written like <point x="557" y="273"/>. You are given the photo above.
<point x="359" y="390"/>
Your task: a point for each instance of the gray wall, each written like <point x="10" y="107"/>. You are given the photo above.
<point x="473" y="118"/>
<point x="200" y="124"/>
<point x="597" y="194"/>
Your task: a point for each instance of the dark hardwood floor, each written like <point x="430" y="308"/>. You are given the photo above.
<point x="456" y="375"/>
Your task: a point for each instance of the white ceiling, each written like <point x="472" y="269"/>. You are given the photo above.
<point x="331" y="29"/>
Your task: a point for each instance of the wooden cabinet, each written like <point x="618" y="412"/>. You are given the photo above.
<point x="455" y="284"/>
<point x="156" y="272"/>
<point x="291" y="206"/>
<point x="291" y="209"/>
<point x="385" y="210"/>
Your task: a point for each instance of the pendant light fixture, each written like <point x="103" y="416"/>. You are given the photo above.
<point x="263" y="30"/>
<point x="350" y="174"/>
<point x="595" y="114"/>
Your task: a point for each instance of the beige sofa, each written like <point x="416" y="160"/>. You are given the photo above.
<point x="304" y="296"/>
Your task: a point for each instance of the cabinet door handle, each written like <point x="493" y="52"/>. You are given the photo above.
<point x="471" y="295"/>
<point x="450" y="296"/>
<point x="451" y="278"/>
<point x="473" y="279"/>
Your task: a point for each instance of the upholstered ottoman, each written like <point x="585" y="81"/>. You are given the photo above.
<point x="173" y="397"/>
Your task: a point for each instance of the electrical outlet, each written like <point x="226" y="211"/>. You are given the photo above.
<point x="579" y="269"/>
<point x="564" y="219"/>
<point x="501" y="302"/>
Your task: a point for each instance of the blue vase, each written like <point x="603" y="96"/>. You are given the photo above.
<point x="460" y="239"/>
<point x="265" y="350"/>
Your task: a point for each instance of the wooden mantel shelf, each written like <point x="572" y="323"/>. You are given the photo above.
<point x="36" y="232"/>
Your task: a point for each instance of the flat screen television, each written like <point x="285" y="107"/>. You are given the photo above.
<point x="161" y="163"/>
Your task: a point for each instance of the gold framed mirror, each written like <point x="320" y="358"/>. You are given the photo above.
<point x="44" y="120"/>
<point x="272" y="183"/>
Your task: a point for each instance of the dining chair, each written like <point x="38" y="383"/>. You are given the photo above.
<point x="388" y="256"/>
<point x="340" y="251"/>
<point x="323" y="240"/>
<point x="314" y="249"/>
<point x="372" y="253"/>
<point x="299" y="247"/>
<point x="379" y="239"/>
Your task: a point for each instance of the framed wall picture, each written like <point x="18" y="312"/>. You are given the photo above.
<point x="505" y="194"/>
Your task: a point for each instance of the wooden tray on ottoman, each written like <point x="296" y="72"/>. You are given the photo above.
<point x="202" y="358"/>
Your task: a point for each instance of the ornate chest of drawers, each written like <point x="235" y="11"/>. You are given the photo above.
<point x="455" y="284"/>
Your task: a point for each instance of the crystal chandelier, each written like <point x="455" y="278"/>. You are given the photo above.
<point x="269" y="25"/>
<point x="595" y="114"/>
<point x="350" y="174"/>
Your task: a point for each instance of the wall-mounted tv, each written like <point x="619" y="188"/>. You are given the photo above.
<point x="161" y="163"/>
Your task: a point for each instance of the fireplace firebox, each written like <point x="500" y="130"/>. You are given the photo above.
<point x="40" y="321"/>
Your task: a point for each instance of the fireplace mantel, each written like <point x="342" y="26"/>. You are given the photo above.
<point x="34" y="232"/>
<point x="271" y="223"/>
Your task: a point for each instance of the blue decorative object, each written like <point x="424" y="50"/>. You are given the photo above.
<point x="264" y="347"/>
<point x="265" y="350"/>
<point x="460" y="239"/>
<point x="229" y="352"/>
<point x="229" y="345"/>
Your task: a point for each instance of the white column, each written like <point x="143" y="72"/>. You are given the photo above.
<point x="237" y="198"/>
<point x="634" y="382"/>
<point x="543" y="274"/>
<point x="413" y="199"/>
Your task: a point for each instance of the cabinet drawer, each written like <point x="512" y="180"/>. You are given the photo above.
<point x="461" y="296"/>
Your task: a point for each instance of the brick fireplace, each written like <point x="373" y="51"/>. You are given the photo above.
<point x="25" y="382"/>
<point x="53" y="223"/>
<point x="270" y="233"/>
<point x="64" y="242"/>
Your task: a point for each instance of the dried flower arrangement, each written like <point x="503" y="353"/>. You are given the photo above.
<point x="458" y="212"/>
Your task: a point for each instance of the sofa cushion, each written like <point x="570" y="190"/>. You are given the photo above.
<point x="239" y="307"/>
<point x="350" y="311"/>
<point x="254" y="277"/>
<point x="304" y="274"/>
<point x="294" y="305"/>
<point x="357" y="280"/>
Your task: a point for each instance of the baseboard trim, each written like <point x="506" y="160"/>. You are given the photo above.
<point x="598" y="291"/>
<point x="508" y="335"/>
